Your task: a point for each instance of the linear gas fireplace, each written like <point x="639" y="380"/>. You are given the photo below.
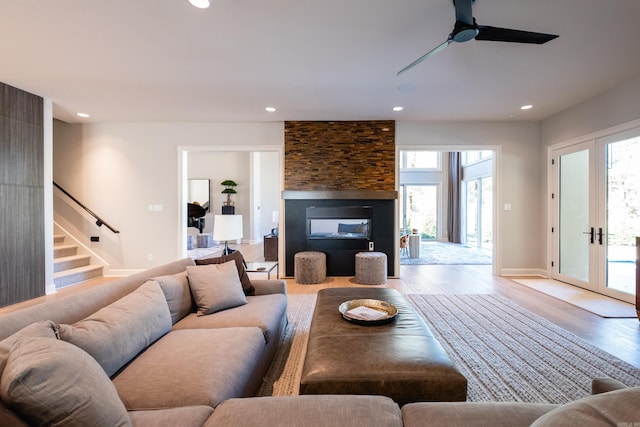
<point x="340" y="227"/>
<point x="339" y="222"/>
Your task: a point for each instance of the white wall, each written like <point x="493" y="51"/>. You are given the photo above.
<point x="615" y="107"/>
<point x="119" y="169"/>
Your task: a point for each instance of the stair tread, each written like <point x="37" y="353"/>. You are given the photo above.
<point x="65" y="246"/>
<point x="70" y="258"/>
<point x="77" y="270"/>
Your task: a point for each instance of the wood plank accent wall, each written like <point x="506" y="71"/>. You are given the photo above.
<point x="22" y="251"/>
<point x="341" y="155"/>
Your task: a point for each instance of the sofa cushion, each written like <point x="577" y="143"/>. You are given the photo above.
<point x="477" y="414"/>
<point x="45" y="329"/>
<point x="242" y="272"/>
<point x="618" y="407"/>
<point x="317" y="411"/>
<point x="118" y="332"/>
<point x="215" y="287"/>
<point x="8" y="418"/>
<point x="265" y="312"/>
<point x="51" y="382"/>
<point x="176" y="291"/>
<point x="188" y="416"/>
<point x="206" y="366"/>
<point x="75" y="305"/>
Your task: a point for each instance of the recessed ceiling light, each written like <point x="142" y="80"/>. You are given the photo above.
<point x="83" y="115"/>
<point x="270" y="109"/>
<point x="200" y="4"/>
<point x="526" y="107"/>
<point x="398" y="108"/>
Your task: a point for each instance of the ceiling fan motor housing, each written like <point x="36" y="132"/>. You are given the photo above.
<point x="463" y="32"/>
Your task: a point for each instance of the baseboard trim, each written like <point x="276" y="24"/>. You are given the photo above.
<point x="526" y="272"/>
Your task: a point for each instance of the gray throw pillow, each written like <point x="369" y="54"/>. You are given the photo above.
<point x="236" y="257"/>
<point x="176" y="291"/>
<point x="51" y="382"/>
<point x="618" y="407"/>
<point x="215" y="287"/>
<point x="118" y="332"/>
<point x="44" y="329"/>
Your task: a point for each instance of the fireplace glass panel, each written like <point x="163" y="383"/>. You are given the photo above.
<point x="339" y="222"/>
<point x="339" y="228"/>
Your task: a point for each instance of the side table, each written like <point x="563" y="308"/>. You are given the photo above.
<point x="262" y="267"/>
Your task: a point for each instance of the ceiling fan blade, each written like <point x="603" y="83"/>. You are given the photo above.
<point x="512" y="36"/>
<point x="464" y="11"/>
<point x="425" y="56"/>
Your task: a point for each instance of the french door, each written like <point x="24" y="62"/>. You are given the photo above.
<point x="596" y="208"/>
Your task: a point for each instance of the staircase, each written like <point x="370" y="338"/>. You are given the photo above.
<point x="69" y="267"/>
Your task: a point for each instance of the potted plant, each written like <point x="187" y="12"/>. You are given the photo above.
<point x="227" y="205"/>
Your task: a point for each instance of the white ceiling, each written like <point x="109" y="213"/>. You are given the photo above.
<point x="164" y="60"/>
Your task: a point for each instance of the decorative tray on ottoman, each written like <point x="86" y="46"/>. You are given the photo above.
<point x="368" y="311"/>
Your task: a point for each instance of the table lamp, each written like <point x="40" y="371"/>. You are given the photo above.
<point x="225" y="228"/>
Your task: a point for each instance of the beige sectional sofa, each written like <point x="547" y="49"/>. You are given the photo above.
<point x="140" y="351"/>
<point x="164" y="360"/>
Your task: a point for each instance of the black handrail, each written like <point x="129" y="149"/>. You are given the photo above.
<point x="99" y="221"/>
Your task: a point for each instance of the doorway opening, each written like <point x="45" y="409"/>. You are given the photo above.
<point x="446" y="207"/>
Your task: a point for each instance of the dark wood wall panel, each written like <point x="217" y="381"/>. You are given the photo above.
<point x="22" y="251"/>
<point x="340" y="155"/>
<point x="22" y="259"/>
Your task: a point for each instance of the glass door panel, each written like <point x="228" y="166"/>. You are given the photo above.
<point x="486" y="213"/>
<point x="622" y="213"/>
<point x="472" y="195"/>
<point x="573" y="205"/>
<point x="420" y="210"/>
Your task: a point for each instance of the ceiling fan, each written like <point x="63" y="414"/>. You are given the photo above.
<point x="466" y="29"/>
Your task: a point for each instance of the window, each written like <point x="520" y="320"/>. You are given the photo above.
<point x="421" y="160"/>
<point x="419" y="207"/>
<point x="470" y="157"/>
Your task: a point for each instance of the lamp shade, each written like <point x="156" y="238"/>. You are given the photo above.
<point x="227" y="227"/>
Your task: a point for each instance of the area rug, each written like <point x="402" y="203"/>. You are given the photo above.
<point x="445" y="253"/>
<point x="598" y="304"/>
<point x="506" y="352"/>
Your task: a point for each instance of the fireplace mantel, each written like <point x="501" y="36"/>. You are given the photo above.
<point x="340" y="195"/>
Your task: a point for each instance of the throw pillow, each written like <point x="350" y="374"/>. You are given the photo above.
<point x="618" y="407"/>
<point x="44" y="329"/>
<point x="215" y="287"/>
<point x="242" y="272"/>
<point x="176" y="291"/>
<point x="51" y="382"/>
<point x="118" y="332"/>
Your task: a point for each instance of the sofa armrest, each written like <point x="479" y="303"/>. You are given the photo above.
<point x="604" y="385"/>
<point x="266" y="287"/>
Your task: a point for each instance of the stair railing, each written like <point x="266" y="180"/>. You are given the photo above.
<point x="99" y="221"/>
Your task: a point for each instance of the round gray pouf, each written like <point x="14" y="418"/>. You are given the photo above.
<point x="371" y="268"/>
<point x="310" y="267"/>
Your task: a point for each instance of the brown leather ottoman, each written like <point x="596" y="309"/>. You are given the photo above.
<point x="400" y="359"/>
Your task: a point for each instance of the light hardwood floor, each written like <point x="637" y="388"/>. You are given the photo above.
<point x="620" y="337"/>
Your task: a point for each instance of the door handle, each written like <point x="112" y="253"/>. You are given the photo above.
<point x="600" y="234"/>
<point x="591" y="235"/>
